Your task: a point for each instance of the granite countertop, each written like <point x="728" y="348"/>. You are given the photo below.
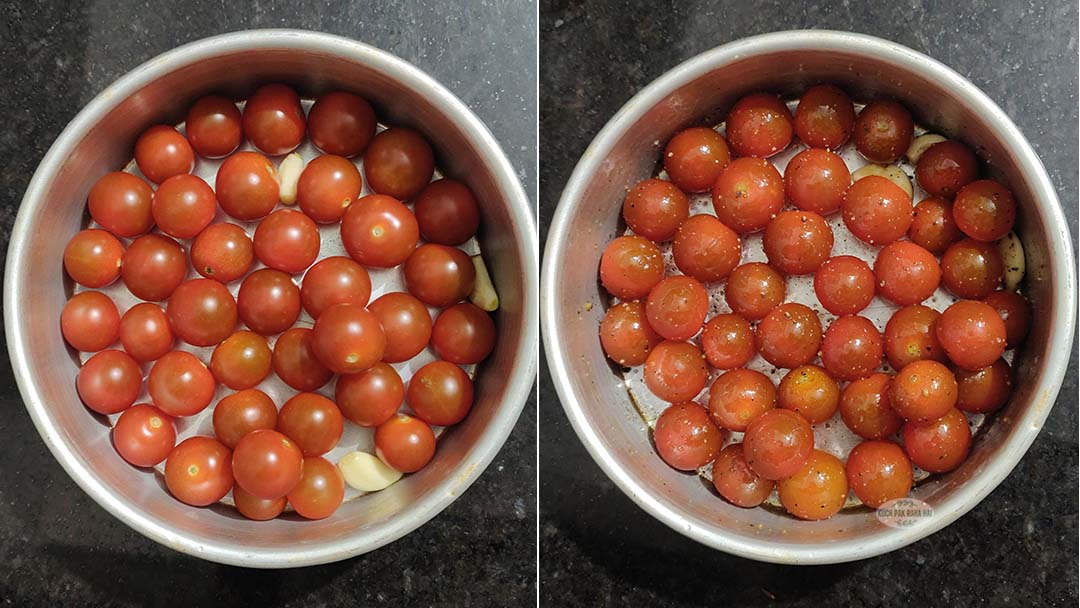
<point x="58" y="547"/>
<point x="1019" y="546"/>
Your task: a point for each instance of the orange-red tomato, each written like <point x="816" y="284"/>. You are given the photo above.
<point x="676" y="307"/>
<point x="817" y="490"/>
<point x="748" y="193"/>
<point x="334" y="280"/>
<point x="295" y="362"/>
<point x="883" y="131"/>
<point x="728" y="341"/>
<point x="778" y="443"/>
<point x="940" y="445"/>
<point x="405" y="443"/>
<point x="972" y="334"/>
<point x="198" y="471"/>
<point x="876" y="210"/>
<point x="685" y="437"/>
<point x="241" y="361"/>
<point x="705" y="248"/>
<point x="222" y="252"/>
<point x="946" y="167"/>
<point x="144" y="435"/>
<point x="695" y="157"/>
<point x="440" y="393"/>
<point x="759" y="125"/>
<point x="287" y="240"/>
<point x="379" y="231"/>
<point x="654" y="208"/>
<point x="626" y="336"/>
<point x="844" y="285"/>
<point x="180" y="384"/>
<point x="463" y="334"/>
<point x="879" y="471"/>
<point x="273" y="119"/>
<point x="145" y="332"/>
<point x="90" y="321"/>
<point x="933" y="226"/>
<point x="405" y="321"/>
<point x="121" y="203"/>
<point x="865" y="408"/>
<point x="1015" y="311"/>
<point x="312" y="421"/>
<point x="815" y="180"/>
<point x="266" y="464"/>
<point x="183" y="206"/>
<point x="923" y="391"/>
<point x="809" y="391"/>
<point x="92" y="258"/>
<point x="162" y="152"/>
<point x="247" y="186"/>
<point x="341" y="123"/>
<point x="241" y="413"/>
<point x="906" y="273"/>
<point x="825" y="117"/>
<point x="675" y="371"/>
<point x="347" y="339"/>
<point x="328" y="186"/>
<point x="753" y="290"/>
<point x="202" y="312"/>
<point x="984" y="210"/>
<point x="153" y="267"/>
<point x="371" y="397"/>
<point x="440" y="276"/>
<point x="630" y="266"/>
<point x="268" y="301"/>
<point x="255" y="508"/>
<point x="739" y="396"/>
<point x="320" y="490"/>
<point x="789" y="336"/>
<point x="109" y="382"/>
<point x="797" y="242"/>
<point x="736" y="481"/>
<point x="852" y="348"/>
<point x="910" y="336"/>
<point x="213" y="126"/>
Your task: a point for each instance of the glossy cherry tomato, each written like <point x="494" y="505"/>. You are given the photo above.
<point x="120" y="202"/>
<point x="825" y="117"/>
<point x="778" y="443"/>
<point x="736" y="481"/>
<point x="933" y="227"/>
<point x="728" y="341"/>
<point x="440" y="276"/>
<point x="910" y="336"/>
<point x="320" y="491"/>
<point x="654" y="208"/>
<point x="312" y="421"/>
<point x="985" y="390"/>
<point x="685" y="437"/>
<point x="945" y="167"/>
<point x="347" y="339"/>
<point x="247" y="186"/>
<point x="797" y="242"/>
<point x="268" y="301"/>
<point x="447" y="212"/>
<point x="255" y="508"/>
<point x="334" y="280"/>
<point x="463" y="334"/>
<point x="759" y="125"/>
<point x="267" y="464"/>
<point x="405" y="443"/>
<point x="109" y="382"/>
<point x="815" y="180"/>
<point x="906" y="273"/>
<point x="879" y="471"/>
<point x="328" y="185"/>
<point x="940" y="445"/>
<point x="287" y="240"/>
<point x="883" y="131"/>
<point x="675" y="371"/>
<point x="984" y="210"/>
<point x="753" y="290"/>
<point x="818" y="490"/>
<point x="341" y="123"/>
<point x="241" y="413"/>
<point x="630" y="267"/>
<point x="705" y="248"/>
<point x="852" y="348"/>
<point x="241" y="361"/>
<point x="180" y="384"/>
<point x="371" y="397"/>
<point x="865" y="408"/>
<point x="183" y="205"/>
<point x="748" y="194"/>
<point x="676" y="307"/>
<point x="295" y="362"/>
<point x="876" y="210"/>
<point x="972" y="334"/>
<point x="405" y="321"/>
<point x="695" y="157"/>
<point x="399" y="163"/>
<point x="153" y="267"/>
<point x="379" y="231"/>
<point x="1015" y="311"/>
<point x="738" y="396"/>
<point x="440" y="393"/>
<point x="923" y="391"/>
<point x="145" y="332"/>
<point x="626" y="336"/>
<point x="810" y="392"/>
<point x="144" y="435"/>
<point x="92" y="258"/>
<point x="844" y="285"/>
<point x="789" y="336"/>
<point x="198" y="471"/>
<point x="202" y="312"/>
<point x="90" y="321"/>
<point x="222" y="252"/>
<point x="274" y="120"/>
<point x="162" y="152"/>
<point x="971" y="269"/>
<point x="213" y="126"/>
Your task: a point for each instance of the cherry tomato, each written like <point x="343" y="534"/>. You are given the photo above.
<point x="818" y="490"/>
<point x="405" y="443"/>
<point x="120" y="203"/>
<point x="923" y="391"/>
<point x="320" y="491"/>
<point x="778" y="443"/>
<point x="910" y="336"/>
<point x="753" y="290"/>
<point x="906" y="273"/>
<point x="162" y="152"/>
<point x="109" y="382"/>
<point x="347" y="339"/>
<point x="810" y="392"/>
<point x="728" y="341"/>
<point x="654" y="208"/>
<point x="865" y="408"/>
<point x="738" y="396"/>
<point x="676" y="307"/>
<point x="940" y="445"/>
<point x="202" y="312"/>
<point x="213" y="126"/>
<point x="705" y="248"/>
<point x="972" y="334"/>
<point x="825" y="117"/>
<point x="90" y="321"/>
<point x="933" y="227"/>
<point x="447" y="212"/>
<point x="92" y="258"/>
<point x="247" y="186"/>
<point x="759" y="125"/>
<point x="685" y="437"/>
<point x="241" y="413"/>
<point x="945" y="167"/>
<point x="1015" y="311"/>
<point x="971" y="269"/>
<point x="379" y="231"/>
<point x="630" y="267"/>
<point x="736" y="481"/>
<point x="145" y="332"/>
<point x="883" y="131"/>
<point x="879" y="471"/>
<point x="312" y="421"/>
<point x="295" y="362"/>
<point x="405" y="321"/>
<point x="328" y="185"/>
<point x="180" y="384"/>
<point x="268" y="301"/>
<point x="334" y="280"/>
<point x="287" y="240"/>
<point x="797" y="242"/>
<point x="153" y="267"/>
<point x="274" y="120"/>
<point x="985" y="390"/>
<point x="675" y="371"/>
<point x="789" y="336"/>
<point x="984" y="210"/>
<point x="341" y="123"/>
<point x="440" y="276"/>
<point x="844" y="285"/>
<point x="266" y="464"/>
<point x="198" y="471"/>
<point x="876" y="210"/>
<point x="144" y="435"/>
<point x="440" y="393"/>
<point x="399" y="163"/>
<point x="222" y="252"/>
<point x="241" y="361"/>
<point x="183" y="205"/>
<point x="815" y="180"/>
<point x="626" y="336"/>
<point x="695" y="157"/>
<point x="257" y="509"/>
<point x="852" y="348"/>
<point x="748" y="193"/>
<point x="463" y="334"/>
<point x="371" y="397"/>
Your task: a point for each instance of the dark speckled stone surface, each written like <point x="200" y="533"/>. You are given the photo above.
<point x="1019" y="546"/>
<point x="57" y="547"/>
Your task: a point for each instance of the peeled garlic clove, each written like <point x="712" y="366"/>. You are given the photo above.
<point x="365" y="472"/>
<point x="1012" y="255"/>
<point x="892" y="173"/>
<point x="921" y="144"/>
<point x="483" y="293"/>
<point x="289" y="176"/>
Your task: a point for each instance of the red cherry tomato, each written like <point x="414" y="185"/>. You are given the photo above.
<point x="312" y="421"/>
<point x="145" y="332"/>
<point x="923" y="391"/>
<point x="334" y="280"/>
<point x="748" y="194"/>
<point x="241" y="361"/>
<point x="266" y="464"/>
<point x="90" y="321"/>
<point x="405" y="443"/>
<point x="626" y="336"/>
<point x="213" y="126"/>
<point x="878" y="472"/>
<point x="695" y="157"/>
<point x="815" y="180"/>
<point x="739" y="396"/>
<point x="274" y="120"/>
<point x="906" y="273"/>
<point x="341" y="123"/>
<point x="797" y="242"/>
<point x="183" y="205"/>
<point x="109" y="382"/>
<point x="984" y="210"/>
<point x="1015" y="311"/>
<point x="202" y="312"/>
<point x="971" y="269"/>
<point x="287" y="240"/>
<point x="818" y="490"/>
<point x="883" y="131"/>
<point x="972" y="334"/>
<point x="736" y="481"/>
<point x="379" y="231"/>
<point x="347" y="339"/>
<point x="241" y="413"/>
<point x="295" y="362"/>
<point x="399" y="163"/>
<point x="198" y="471"/>
<point x="852" y="348"/>
<point x="654" y="208"/>
<point x="789" y="336"/>
<point x="144" y="435"/>
<point x="945" y="167"/>
<point x="440" y="276"/>
<point x="825" y="117"/>
<point x="876" y="210"/>
<point x="371" y="397"/>
<point x="92" y="258"/>
<point x="153" y="267"/>
<point x="268" y="301"/>
<point x="676" y="307"/>
<point x="257" y="509"/>
<point x="910" y="336"/>
<point x="866" y="410"/>
<point x="405" y="321"/>
<point x="447" y="212"/>
<point x="753" y="290"/>
<point x="222" y="252"/>
<point x="933" y="227"/>
<point x="778" y="443"/>
<point x="810" y="392"/>
<point x="675" y="371"/>
<point x="120" y="203"/>
<point x="327" y="186"/>
<point x="844" y="285"/>
<point x="705" y="248"/>
<point x="728" y="341"/>
<point x="463" y="334"/>
<point x="440" y="393"/>
<point x="759" y="125"/>
<point x="985" y="390"/>
<point x="320" y="491"/>
<point x="180" y="384"/>
<point x="630" y="267"/>
<point x="685" y="437"/>
<point x="247" y="186"/>
<point x="940" y="445"/>
<point x="162" y="152"/>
